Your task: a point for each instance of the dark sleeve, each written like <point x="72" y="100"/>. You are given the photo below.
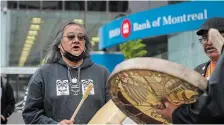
<point x="10" y="101"/>
<point x="107" y="74"/>
<point x="216" y="85"/>
<point x="33" y="112"/>
<point x="213" y="108"/>
<point x="189" y="113"/>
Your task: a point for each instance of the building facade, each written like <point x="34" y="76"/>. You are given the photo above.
<point x="28" y="28"/>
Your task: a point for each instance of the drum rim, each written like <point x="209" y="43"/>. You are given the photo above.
<point x="149" y="63"/>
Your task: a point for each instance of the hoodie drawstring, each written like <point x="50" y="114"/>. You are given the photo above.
<point x="79" y="72"/>
<point x="70" y="77"/>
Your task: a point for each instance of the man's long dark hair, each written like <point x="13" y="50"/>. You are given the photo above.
<point x="54" y="54"/>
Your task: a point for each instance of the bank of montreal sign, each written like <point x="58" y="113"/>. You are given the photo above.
<point x="170" y="19"/>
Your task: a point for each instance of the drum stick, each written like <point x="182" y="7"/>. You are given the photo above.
<point x="85" y="95"/>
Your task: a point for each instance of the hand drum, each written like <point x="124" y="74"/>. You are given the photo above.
<point x="138" y="85"/>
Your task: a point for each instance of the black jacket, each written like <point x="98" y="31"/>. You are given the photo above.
<point x="7" y="99"/>
<point x="202" y="68"/>
<point x="209" y="108"/>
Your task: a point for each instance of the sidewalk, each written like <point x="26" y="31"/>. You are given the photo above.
<point x="16" y="118"/>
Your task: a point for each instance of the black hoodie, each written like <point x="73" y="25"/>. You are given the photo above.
<point x="53" y="97"/>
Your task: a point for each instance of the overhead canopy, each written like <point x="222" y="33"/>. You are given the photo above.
<point x="170" y="19"/>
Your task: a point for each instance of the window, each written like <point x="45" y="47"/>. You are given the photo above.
<point x="118" y="6"/>
<point x="12" y="4"/>
<point x="29" y="4"/>
<point x="52" y="5"/>
<point x="96" y="5"/>
<point x="74" y="5"/>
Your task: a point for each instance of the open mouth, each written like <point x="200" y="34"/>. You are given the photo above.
<point x="75" y="48"/>
<point x="210" y="49"/>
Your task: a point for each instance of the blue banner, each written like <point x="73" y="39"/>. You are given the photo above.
<point x="170" y="19"/>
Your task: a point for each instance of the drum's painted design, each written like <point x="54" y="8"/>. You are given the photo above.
<point x="137" y="86"/>
<point x="138" y="92"/>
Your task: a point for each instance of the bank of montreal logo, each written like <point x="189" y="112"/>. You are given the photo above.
<point x="125" y="28"/>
